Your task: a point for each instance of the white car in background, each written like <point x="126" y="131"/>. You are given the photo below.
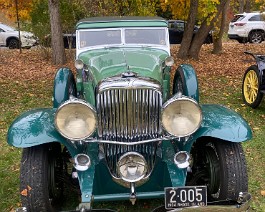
<point x="247" y="27"/>
<point x="9" y="37"/>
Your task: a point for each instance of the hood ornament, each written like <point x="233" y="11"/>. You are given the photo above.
<point x="128" y="74"/>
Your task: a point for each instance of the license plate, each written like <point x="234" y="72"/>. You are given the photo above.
<point x="187" y="196"/>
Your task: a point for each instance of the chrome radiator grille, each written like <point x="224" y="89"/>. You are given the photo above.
<point x="129" y="111"/>
<point x="129" y="115"/>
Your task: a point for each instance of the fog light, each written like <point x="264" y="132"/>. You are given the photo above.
<point x="181" y="159"/>
<point x="82" y="162"/>
<point x="132" y="167"/>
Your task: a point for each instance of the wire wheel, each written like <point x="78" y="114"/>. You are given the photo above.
<point x="251" y="89"/>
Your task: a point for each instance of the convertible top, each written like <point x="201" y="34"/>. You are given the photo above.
<point x="121" y="21"/>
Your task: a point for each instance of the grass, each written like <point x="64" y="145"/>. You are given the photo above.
<point x="19" y="95"/>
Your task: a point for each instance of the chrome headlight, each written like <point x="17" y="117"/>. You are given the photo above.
<point x="132" y="167"/>
<point x="181" y="116"/>
<point x="79" y="64"/>
<point x="75" y="119"/>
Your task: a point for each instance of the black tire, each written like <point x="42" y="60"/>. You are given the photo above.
<point x="220" y="165"/>
<point x="251" y="93"/>
<point x="40" y="177"/>
<point x="13" y="43"/>
<point x="256" y="37"/>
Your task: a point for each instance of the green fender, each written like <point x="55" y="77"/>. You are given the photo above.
<point x="36" y="127"/>
<point x="64" y="85"/>
<point x="223" y="123"/>
<point x="185" y="80"/>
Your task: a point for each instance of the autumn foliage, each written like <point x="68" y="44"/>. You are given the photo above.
<point x="8" y="7"/>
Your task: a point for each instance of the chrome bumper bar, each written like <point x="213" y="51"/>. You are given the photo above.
<point x="243" y="204"/>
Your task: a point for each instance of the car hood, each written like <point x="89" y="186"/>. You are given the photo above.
<point x="27" y="33"/>
<point x="22" y="33"/>
<point x="108" y="62"/>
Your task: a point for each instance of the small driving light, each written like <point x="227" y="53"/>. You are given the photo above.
<point x="169" y="61"/>
<point x="75" y="119"/>
<point x="181" y="116"/>
<point x="82" y="162"/>
<point x="132" y="167"/>
<point x="181" y="159"/>
<point x="79" y="64"/>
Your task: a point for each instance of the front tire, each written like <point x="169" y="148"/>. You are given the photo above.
<point x="40" y="180"/>
<point x="13" y="44"/>
<point x="251" y="87"/>
<point x="221" y="166"/>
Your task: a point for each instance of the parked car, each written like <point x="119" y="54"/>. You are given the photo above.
<point x="118" y="131"/>
<point x="9" y="37"/>
<point x="69" y="40"/>
<point x="247" y="27"/>
<point x="253" y="86"/>
<point x="176" y="31"/>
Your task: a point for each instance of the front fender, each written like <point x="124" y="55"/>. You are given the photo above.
<point x="64" y="85"/>
<point x="223" y="123"/>
<point x="35" y="127"/>
<point x="185" y="80"/>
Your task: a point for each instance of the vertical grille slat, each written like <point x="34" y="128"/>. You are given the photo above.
<point x="129" y="114"/>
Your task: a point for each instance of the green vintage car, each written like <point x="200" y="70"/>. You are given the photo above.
<point x="118" y="131"/>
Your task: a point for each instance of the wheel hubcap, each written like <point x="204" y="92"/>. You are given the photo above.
<point x="251" y="86"/>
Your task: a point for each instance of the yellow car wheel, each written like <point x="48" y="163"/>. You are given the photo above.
<point x="251" y="87"/>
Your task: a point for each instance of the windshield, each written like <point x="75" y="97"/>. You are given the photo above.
<point x="6" y="28"/>
<point x="101" y="37"/>
<point x="145" y="36"/>
<point x="238" y="18"/>
<point x="153" y="36"/>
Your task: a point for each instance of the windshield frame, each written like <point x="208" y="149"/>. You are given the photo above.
<point x="165" y="46"/>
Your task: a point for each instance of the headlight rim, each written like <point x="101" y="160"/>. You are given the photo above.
<point x="179" y="98"/>
<point x="75" y="101"/>
<point x="132" y="153"/>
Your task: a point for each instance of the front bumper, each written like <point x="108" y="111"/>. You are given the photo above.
<point x="243" y="204"/>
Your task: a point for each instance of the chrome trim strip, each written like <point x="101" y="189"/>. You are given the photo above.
<point x="164" y="138"/>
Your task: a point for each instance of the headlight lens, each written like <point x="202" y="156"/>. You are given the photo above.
<point x="169" y="61"/>
<point x="132" y="167"/>
<point x="79" y="64"/>
<point x="181" y="116"/>
<point x="75" y="120"/>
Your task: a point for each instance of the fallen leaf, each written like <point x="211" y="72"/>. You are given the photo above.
<point x="29" y="188"/>
<point x="24" y="192"/>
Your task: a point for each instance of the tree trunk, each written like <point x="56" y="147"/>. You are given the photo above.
<point x="58" y="52"/>
<point x="203" y="32"/>
<point x="217" y="44"/>
<point x="188" y="32"/>
<point x="241" y="6"/>
<point x="248" y="6"/>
